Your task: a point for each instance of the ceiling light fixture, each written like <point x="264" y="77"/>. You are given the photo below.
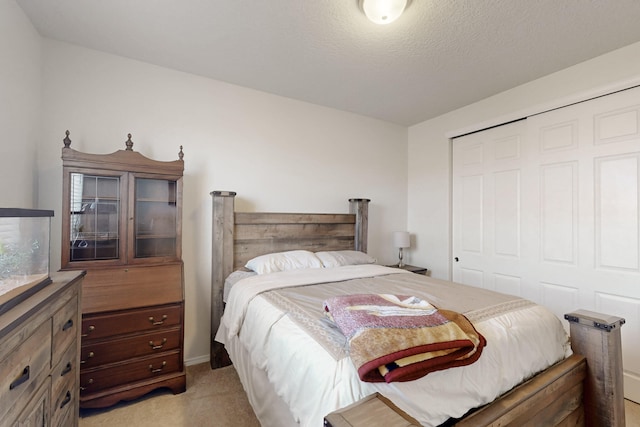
<point x="383" y="11"/>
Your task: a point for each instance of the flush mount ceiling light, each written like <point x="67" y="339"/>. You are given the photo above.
<point x="383" y="11"/>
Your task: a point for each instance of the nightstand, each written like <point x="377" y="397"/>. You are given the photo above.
<point x="412" y="268"/>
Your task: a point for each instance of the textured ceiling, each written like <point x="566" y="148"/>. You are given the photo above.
<point x="440" y="55"/>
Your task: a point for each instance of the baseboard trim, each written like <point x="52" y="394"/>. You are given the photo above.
<point x="197" y="360"/>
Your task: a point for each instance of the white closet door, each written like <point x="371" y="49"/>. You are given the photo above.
<point x="487" y="208"/>
<point x="577" y="207"/>
<point x="587" y="159"/>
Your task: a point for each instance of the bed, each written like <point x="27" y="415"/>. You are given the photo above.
<point x="292" y="379"/>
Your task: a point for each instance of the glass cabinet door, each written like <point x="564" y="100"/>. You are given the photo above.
<point x="156" y="218"/>
<point x="94" y="217"/>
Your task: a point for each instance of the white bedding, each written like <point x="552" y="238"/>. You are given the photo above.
<point x="313" y="383"/>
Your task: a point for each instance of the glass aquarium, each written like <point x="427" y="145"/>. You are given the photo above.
<point x="24" y="254"/>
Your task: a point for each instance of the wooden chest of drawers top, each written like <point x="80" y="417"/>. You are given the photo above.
<point x="14" y="327"/>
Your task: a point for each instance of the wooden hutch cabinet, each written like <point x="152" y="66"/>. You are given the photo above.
<point x="122" y="223"/>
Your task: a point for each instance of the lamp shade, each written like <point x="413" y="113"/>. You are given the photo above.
<point x="401" y="239"/>
<point x="383" y="11"/>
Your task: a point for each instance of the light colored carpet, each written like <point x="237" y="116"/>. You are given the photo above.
<point x="213" y="398"/>
<point x="631" y="414"/>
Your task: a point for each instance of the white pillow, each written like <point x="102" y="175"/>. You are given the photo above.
<point x="340" y="258"/>
<point x="283" y="261"/>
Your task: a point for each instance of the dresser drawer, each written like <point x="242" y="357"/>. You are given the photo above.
<point x="36" y="413"/>
<point x="93" y="380"/>
<point x="130" y="321"/>
<point x="68" y="418"/>
<point x="24" y="370"/>
<point x="65" y="328"/>
<point x="96" y="353"/>
<point x="63" y="388"/>
<point x="64" y="405"/>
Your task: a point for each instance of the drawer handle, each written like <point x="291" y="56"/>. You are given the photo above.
<point x="157" y="346"/>
<point x="23" y="378"/>
<point x="90" y="329"/>
<point x="66" y="370"/>
<point x="157" y="322"/>
<point x="155" y="371"/>
<point x="67" y="399"/>
<point x="67" y="325"/>
<point x="88" y="383"/>
<point x="89" y="356"/>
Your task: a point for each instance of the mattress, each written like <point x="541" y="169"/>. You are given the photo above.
<point x="275" y="325"/>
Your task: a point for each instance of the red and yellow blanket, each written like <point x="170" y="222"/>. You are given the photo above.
<point x="402" y="338"/>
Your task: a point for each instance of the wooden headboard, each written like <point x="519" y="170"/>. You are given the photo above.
<point x="240" y="236"/>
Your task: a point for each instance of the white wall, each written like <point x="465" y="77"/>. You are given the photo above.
<point x="276" y="153"/>
<point x="429" y="206"/>
<point x="20" y="92"/>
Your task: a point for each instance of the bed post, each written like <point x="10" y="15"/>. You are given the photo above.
<point x="221" y="267"/>
<point x="597" y="337"/>
<point x="360" y="207"/>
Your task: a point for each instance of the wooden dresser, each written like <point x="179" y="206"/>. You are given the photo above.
<point x="39" y="356"/>
<point x="122" y="218"/>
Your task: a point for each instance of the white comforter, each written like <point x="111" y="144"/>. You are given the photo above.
<point x="312" y="383"/>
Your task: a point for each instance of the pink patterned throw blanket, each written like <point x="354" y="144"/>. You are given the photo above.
<point x="402" y="338"/>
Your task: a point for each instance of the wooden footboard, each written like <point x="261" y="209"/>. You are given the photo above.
<point x="561" y="396"/>
<point x="551" y="398"/>
<point x="584" y="390"/>
<point x="598" y="338"/>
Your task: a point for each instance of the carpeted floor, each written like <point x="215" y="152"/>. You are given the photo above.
<point x="213" y="398"/>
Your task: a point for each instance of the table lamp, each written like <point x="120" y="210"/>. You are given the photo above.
<point x="401" y="240"/>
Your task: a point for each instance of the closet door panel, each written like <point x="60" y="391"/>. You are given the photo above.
<point x="556" y="206"/>
<point x="488" y="209"/>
